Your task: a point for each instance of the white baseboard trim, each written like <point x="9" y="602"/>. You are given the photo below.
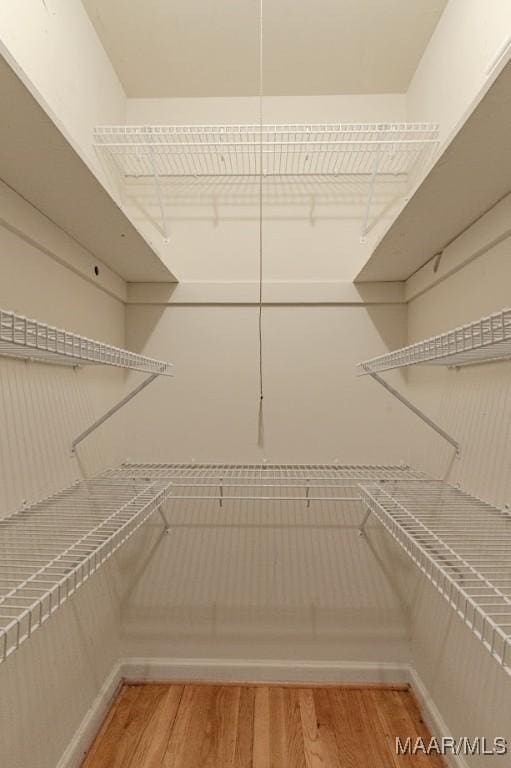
<point x="91" y="723"/>
<point x="257" y="671"/>
<point x="432" y="716"/>
<point x="263" y="670"/>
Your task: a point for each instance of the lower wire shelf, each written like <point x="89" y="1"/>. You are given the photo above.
<point x="48" y="550"/>
<point x="462" y="545"/>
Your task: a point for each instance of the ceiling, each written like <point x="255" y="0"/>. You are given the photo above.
<point x="175" y="48"/>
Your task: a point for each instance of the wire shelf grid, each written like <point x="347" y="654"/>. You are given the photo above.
<point x="22" y="337"/>
<point x="48" y="550"/>
<point x="462" y="545"/>
<point x="484" y="340"/>
<point x="286" y="150"/>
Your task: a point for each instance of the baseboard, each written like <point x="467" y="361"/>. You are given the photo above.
<point x="91" y="723"/>
<point x="256" y="671"/>
<point x="432" y="716"/>
<point x="262" y="671"/>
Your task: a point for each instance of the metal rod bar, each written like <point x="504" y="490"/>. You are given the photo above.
<point x="159" y="196"/>
<point x="417" y="411"/>
<point x="113" y="410"/>
<point x="374" y="174"/>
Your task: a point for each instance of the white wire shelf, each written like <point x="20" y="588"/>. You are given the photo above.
<point x="462" y="545"/>
<point x="29" y="339"/>
<point x="48" y="550"/>
<point x="484" y="340"/>
<point x="284" y="483"/>
<point x="370" y="153"/>
<point x="286" y="150"/>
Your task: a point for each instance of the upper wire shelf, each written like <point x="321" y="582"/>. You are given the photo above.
<point x="25" y="338"/>
<point x="484" y="340"/>
<point x="48" y="550"/>
<point x="366" y="152"/>
<point x="286" y="150"/>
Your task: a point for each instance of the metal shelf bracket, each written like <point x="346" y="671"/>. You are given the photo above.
<point x="112" y="411"/>
<point x="417" y="411"/>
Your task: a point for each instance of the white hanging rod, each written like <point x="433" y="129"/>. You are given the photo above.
<point x="29" y="339"/>
<point x="481" y="341"/>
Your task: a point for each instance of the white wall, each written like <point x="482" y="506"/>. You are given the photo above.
<point x="55" y="48"/>
<point x="251" y="581"/>
<point x="454" y="67"/>
<point x="49" y="684"/>
<point x="311" y="229"/>
<point x="474" y="404"/>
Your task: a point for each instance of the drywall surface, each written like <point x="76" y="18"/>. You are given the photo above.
<point x="311" y="225"/>
<point x="57" y="49"/>
<point x="315" y="407"/>
<point x="457" y="61"/>
<point x="474" y="403"/>
<point x="250" y="581"/>
<point x="48" y="685"/>
<point x="264" y="581"/>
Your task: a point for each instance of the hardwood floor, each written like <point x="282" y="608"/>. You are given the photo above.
<point x="258" y="726"/>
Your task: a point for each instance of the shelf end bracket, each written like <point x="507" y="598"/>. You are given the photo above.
<point x="417" y="411"/>
<point x="112" y="411"/>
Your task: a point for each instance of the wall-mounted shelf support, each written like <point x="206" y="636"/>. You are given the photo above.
<point x="166" y="525"/>
<point x="365" y="226"/>
<point x="113" y="410"/>
<point x="159" y="197"/>
<point x="417" y="411"/>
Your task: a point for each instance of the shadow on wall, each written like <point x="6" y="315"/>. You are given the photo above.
<point x="42" y="409"/>
<point x="262" y="579"/>
<point x="312" y="197"/>
<point x="474" y="404"/>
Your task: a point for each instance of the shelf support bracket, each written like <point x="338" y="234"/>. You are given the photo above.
<point x="417" y="411"/>
<point x="160" y="198"/>
<point x="112" y="411"/>
<point x="166" y="526"/>
<point x="374" y="174"/>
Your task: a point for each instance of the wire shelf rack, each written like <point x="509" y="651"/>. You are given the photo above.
<point x="48" y="550"/>
<point x="236" y="150"/>
<point x="29" y="339"/>
<point x="462" y="545"/>
<point x="484" y="340"/>
<point x="226" y="483"/>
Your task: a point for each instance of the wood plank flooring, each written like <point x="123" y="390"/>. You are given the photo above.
<point x="258" y="726"/>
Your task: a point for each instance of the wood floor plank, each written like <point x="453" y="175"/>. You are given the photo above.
<point x="314" y="752"/>
<point x="261" y="749"/>
<point x="190" y="739"/>
<point x="244" y="726"/>
<point x="114" y="750"/>
<point x="286" y="736"/>
<point x="153" y="741"/>
<point x="245" y="737"/>
<point x="326" y="728"/>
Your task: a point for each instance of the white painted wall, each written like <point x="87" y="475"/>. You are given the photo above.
<point x="49" y="684"/>
<point x="311" y="229"/>
<point x="55" y="48"/>
<point x="474" y="404"/>
<point x="454" y="68"/>
<point x="252" y="581"/>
